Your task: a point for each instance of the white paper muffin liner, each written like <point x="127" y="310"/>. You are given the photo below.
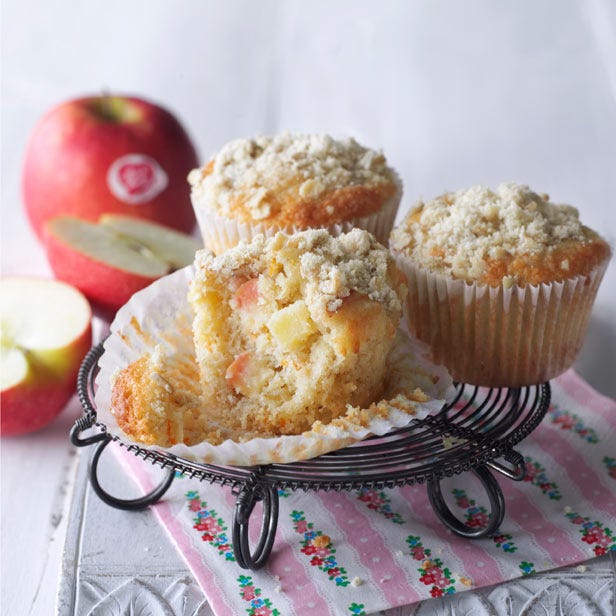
<point x="161" y="315"/>
<point x="499" y="337"/>
<point x="220" y="233"/>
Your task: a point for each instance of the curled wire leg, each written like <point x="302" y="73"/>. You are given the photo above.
<point x="244" y="506"/>
<point x="81" y="425"/>
<point x="134" y="504"/>
<point x="497" y="506"/>
<point x="516" y="469"/>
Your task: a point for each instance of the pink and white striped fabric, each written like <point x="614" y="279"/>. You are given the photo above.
<point x="367" y="550"/>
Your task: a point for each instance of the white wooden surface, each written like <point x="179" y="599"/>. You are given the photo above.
<point x="456" y="93"/>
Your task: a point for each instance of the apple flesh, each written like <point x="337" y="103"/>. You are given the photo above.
<point x="111" y="260"/>
<point x="45" y="332"/>
<point x="100" y="154"/>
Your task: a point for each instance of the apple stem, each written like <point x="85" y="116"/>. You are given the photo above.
<point x="106" y="106"/>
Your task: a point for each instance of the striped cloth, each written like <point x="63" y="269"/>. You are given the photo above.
<point x="368" y="550"/>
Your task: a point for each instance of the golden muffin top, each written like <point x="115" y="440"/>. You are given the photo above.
<point x="506" y="236"/>
<point x="300" y="180"/>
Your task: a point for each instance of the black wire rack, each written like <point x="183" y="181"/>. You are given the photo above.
<point x="475" y="432"/>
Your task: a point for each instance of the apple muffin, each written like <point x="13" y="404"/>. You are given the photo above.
<point x="501" y="282"/>
<point x="293" y="182"/>
<point x="293" y="329"/>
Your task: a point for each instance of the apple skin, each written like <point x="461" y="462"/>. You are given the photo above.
<point x="110" y="260"/>
<point x="49" y="383"/>
<point x="104" y="284"/>
<point x="33" y="403"/>
<point x="70" y="153"/>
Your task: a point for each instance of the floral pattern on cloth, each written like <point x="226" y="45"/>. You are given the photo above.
<point x="594" y="533"/>
<point x="476" y="516"/>
<point x="527" y="568"/>
<point x="610" y="464"/>
<point x="536" y="474"/>
<point x="433" y="573"/>
<point x="258" y="606"/>
<point x="379" y="501"/>
<point x="320" y="548"/>
<point x="357" y="609"/>
<point x="211" y="525"/>
<point x="505" y="542"/>
<point x="570" y="421"/>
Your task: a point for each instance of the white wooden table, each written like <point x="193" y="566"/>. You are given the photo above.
<point x="455" y="93"/>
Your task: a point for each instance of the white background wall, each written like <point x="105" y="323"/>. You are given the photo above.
<point x="455" y="92"/>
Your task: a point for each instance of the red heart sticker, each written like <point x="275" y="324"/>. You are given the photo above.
<point x="136" y="178"/>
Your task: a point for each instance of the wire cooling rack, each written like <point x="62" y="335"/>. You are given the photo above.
<point x="475" y="432"/>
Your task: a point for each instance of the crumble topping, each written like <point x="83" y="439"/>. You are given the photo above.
<point x="459" y="233"/>
<point x="260" y="168"/>
<point x="332" y="267"/>
<point x="353" y="262"/>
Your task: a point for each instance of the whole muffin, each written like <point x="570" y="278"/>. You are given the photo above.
<point x="293" y="182"/>
<point x="501" y="283"/>
<point x="293" y="329"/>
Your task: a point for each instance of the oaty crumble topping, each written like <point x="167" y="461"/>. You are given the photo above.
<point x="458" y="233"/>
<point x="260" y="167"/>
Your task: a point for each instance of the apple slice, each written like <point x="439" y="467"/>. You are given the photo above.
<point x="112" y="260"/>
<point x="173" y="247"/>
<point x="45" y="332"/>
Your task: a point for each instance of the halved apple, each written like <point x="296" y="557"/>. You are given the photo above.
<point x="116" y="257"/>
<point x="45" y="332"/>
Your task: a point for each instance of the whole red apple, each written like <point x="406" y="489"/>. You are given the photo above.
<point x="109" y="154"/>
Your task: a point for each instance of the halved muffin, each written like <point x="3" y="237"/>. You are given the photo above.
<point x="292" y="329"/>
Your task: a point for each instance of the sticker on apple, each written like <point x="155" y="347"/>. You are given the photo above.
<point x="136" y="178"/>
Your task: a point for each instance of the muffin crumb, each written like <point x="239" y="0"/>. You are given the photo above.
<point x="356" y="581"/>
<point x="581" y="568"/>
<point x="321" y="541"/>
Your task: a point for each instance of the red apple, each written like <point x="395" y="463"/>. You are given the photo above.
<point x="45" y="334"/>
<point x="113" y="154"/>
<point x="110" y="260"/>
